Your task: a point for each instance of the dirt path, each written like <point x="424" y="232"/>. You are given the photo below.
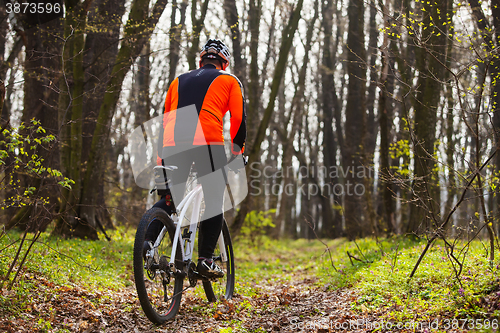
<point x="278" y="307"/>
<point x="289" y="304"/>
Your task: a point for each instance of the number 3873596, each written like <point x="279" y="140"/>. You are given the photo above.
<point x="33" y="8"/>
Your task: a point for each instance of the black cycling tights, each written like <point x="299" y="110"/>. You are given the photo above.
<point x="209" y="231"/>
<point x="208" y="160"/>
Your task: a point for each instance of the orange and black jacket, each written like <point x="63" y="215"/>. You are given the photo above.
<point x="213" y="92"/>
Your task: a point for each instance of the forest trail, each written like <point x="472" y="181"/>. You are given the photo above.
<point x="280" y="287"/>
<point x="290" y="302"/>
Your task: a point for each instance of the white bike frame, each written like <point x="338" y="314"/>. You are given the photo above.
<point x="193" y="199"/>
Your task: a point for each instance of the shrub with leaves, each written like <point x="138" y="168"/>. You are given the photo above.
<point x="25" y="181"/>
<point x="257" y="223"/>
<point x="18" y="156"/>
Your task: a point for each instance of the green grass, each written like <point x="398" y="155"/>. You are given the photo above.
<point x="57" y="266"/>
<point x="383" y="285"/>
<point x="100" y="264"/>
<point x="378" y="275"/>
<point x="379" y="271"/>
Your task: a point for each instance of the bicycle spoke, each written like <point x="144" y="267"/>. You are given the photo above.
<point x="159" y="290"/>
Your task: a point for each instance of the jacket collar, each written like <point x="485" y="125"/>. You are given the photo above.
<point x="210" y="66"/>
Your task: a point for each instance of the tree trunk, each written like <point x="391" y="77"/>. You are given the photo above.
<point x="495" y="93"/>
<point x="198" y="24"/>
<point x="405" y="60"/>
<point x="254" y="15"/>
<point x="286" y="44"/>
<point x="2" y="99"/>
<point x="42" y="38"/>
<point x="296" y="111"/>
<point x="429" y="65"/>
<point x="89" y="55"/>
<point x="450" y="130"/>
<point x="3" y="33"/>
<point x="232" y="18"/>
<point x="102" y="45"/>
<point x="492" y="43"/>
<point x="355" y="124"/>
<point x="5" y="117"/>
<point x="278" y="180"/>
<point x="371" y="125"/>
<point x="332" y="220"/>
<point x="71" y="105"/>
<point x="175" y="37"/>
<point x="385" y="119"/>
<point x="136" y="34"/>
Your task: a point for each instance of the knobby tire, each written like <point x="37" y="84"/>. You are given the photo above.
<point x="151" y="290"/>
<point x="223" y="287"/>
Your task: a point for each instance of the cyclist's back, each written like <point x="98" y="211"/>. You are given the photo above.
<point x="192" y="132"/>
<point x="211" y="92"/>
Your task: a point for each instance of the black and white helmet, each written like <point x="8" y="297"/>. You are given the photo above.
<point x="214" y="48"/>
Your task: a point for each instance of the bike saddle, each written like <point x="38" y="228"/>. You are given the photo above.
<point x="165" y="167"/>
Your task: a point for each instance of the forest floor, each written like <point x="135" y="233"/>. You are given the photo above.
<point x="290" y="286"/>
<point x="290" y="303"/>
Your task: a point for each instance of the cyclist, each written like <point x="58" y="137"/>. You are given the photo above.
<point x="185" y="140"/>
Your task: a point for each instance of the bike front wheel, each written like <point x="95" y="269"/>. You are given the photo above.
<point x="159" y="288"/>
<point x="222" y="288"/>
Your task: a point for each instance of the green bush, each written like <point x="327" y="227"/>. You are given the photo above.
<point x="18" y="155"/>
<point x="257" y="224"/>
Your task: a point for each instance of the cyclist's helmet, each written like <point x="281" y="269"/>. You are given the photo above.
<point x="215" y="49"/>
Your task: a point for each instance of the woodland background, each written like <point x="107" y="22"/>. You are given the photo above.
<point x="407" y="90"/>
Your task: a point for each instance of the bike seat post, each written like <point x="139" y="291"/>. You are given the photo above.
<point x="162" y="176"/>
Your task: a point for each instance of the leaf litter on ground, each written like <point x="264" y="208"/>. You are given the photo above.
<point x="282" y="291"/>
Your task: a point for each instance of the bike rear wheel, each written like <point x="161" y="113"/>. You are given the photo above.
<point x="222" y="288"/>
<point x="158" y="288"/>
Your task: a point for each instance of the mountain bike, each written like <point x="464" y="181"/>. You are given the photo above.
<point x="163" y="273"/>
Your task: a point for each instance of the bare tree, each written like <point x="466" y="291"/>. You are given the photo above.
<point x="198" y="23"/>
<point x="40" y="34"/>
<point x="289" y="137"/>
<point x="430" y="66"/>
<point x="175" y="36"/>
<point x="81" y="219"/>
<point x="286" y="44"/>
<point x="355" y="124"/>
<point x="332" y="223"/>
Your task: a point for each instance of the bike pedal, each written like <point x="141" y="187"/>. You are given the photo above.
<point x="202" y="277"/>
